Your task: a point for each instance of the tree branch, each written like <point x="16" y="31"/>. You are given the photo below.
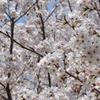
<point x="38" y="86"/>
<point x="96" y="90"/>
<point x="50" y="14"/>
<point x="25" y="13"/>
<point x="42" y="28"/>
<point x="49" y="79"/>
<point x="12" y="35"/>
<point x="3" y="97"/>
<point x="69" y="6"/>
<point x="97" y="9"/>
<point x="8" y="92"/>
<point x="8" y="15"/>
<point x="8" y="89"/>
<point x="2" y="85"/>
<point x="68" y="23"/>
<point x="32" y="50"/>
<point x="73" y="76"/>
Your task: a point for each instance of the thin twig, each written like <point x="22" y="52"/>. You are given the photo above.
<point x="50" y="14"/>
<point x="73" y="76"/>
<point x="2" y="85"/>
<point x="8" y="7"/>
<point x="97" y="9"/>
<point x="69" y="6"/>
<point x="30" y="81"/>
<point x="68" y="23"/>
<point x="64" y="60"/>
<point x="25" y="12"/>
<point x="8" y="15"/>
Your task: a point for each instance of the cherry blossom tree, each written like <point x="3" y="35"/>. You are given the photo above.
<point x="53" y="55"/>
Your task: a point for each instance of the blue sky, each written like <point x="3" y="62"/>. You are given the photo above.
<point x="50" y="6"/>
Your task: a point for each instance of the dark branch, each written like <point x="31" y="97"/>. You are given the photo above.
<point x="39" y="89"/>
<point x="73" y="76"/>
<point x="2" y="85"/>
<point x="8" y="89"/>
<point x="68" y="22"/>
<point x="12" y="35"/>
<point x="49" y="79"/>
<point x="96" y="90"/>
<point x="8" y="92"/>
<point x="64" y="61"/>
<point x="8" y="15"/>
<point x="32" y="50"/>
<point x="69" y="6"/>
<point x="42" y="28"/>
<point x="97" y="9"/>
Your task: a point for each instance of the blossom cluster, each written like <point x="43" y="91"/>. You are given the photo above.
<point x="53" y="55"/>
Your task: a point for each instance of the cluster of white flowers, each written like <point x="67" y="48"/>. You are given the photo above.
<point x="3" y="5"/>
<point x="54" y="55"/>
